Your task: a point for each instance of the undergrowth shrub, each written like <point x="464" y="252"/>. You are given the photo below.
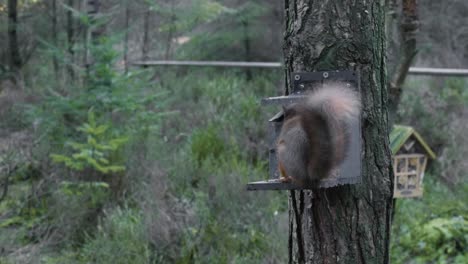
<point x="444" y="239"/>
<point x="231" y="225"/>
<point x="120" y="238"/>
<point x="207" y="142"/>
<point x="215" y="150"/>
<point x="431" y="229"/>
<point x="73" y="209"/>
<point x="85" y="137"/>
<point x="184" y="177"/>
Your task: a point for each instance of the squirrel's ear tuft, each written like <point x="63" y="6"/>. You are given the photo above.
<point x="286" y="111"/>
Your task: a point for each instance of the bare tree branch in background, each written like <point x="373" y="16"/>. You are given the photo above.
<point x="6" y="181"/>
<point x="127" y="21"/>
<point x="408" y="28"/>
<point x="171" y="32"/>
<point x="145" y="45"/>
<point x="245" y="26"/>
<point x="55" y="37"/>
<point x="70" y="40"/>
<point x="15" y="58"/>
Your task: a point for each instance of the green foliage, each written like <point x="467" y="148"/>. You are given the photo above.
<point x="97" y="192"/>
<point x="435" y="109"/>
<point x="130" y="104"/>
<point x="214" y="144"/>
<point x="102" y="73"/>
<point x="448" y="236"/>
<point x="96" y="152"/>
<point x="229" y="225"/>
<point x="227" y="31"/>
<point x="120" y="238"/>
<point x="73" y="208"/>
<point x="64" y="257"/>
<point x="221" y="244"/>
<point x="88" y="126"/>
<point x="206" y="143"/>
<point x="218" y="141"/>
<point x="455" y="92"/>
<point x="104" y="121"/>
<point x="440" y="240"/>
<point x="430" y="106"/>
<point x="232" y="226"/>
<point x="11" y="221"/>
<point x="432" y="229"/>
<point x="199" y="12"/>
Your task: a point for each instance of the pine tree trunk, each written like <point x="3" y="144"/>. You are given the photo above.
<point x="15" y="58"/>
<point x="351" y="223"/>
<point x="70" y="40"/>
<point x="245" y="27"/>
<point x="171" y="32"/>
<point x="145" y="46"/>
<point x="127" y="29"/>
<point x="55" y="38"/>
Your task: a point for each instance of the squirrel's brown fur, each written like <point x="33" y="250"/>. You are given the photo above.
<point x="315" y="134"/>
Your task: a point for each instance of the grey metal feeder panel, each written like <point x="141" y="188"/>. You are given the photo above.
<point x="349" y="172"/>
<point x="284" y="100"/>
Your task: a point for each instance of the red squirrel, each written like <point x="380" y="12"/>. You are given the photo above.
<point x="315" y="134"/>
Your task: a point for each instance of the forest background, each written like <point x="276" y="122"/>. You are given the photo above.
<point x="102" y="161"/>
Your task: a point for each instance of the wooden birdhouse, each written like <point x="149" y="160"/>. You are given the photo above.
<point x="410" y="155"/>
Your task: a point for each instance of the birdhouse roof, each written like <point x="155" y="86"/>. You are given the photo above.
<point x="400" y="135"/>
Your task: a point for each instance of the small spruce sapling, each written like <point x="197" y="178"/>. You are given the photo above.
<point x="96" y="152"/>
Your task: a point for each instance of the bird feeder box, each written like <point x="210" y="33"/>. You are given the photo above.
<point x="410" y="155"/>
<point x="349" y="171"/>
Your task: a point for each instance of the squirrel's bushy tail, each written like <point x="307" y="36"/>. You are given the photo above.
<point x="340" y="107"/>
<point x="316" y="133"/>
<point x="336" y="101"/>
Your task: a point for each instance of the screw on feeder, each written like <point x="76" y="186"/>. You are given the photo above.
<point x="297" y="77"/>
<point x="325" y="75"/>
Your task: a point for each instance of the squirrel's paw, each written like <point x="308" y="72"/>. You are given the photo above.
<point x="286" y="179"/>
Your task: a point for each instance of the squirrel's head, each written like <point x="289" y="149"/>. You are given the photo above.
<point x="289" y="111"/>
<point x="292" y="110"/>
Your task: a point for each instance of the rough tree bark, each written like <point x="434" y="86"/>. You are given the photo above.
<point x="351" y="223"/>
